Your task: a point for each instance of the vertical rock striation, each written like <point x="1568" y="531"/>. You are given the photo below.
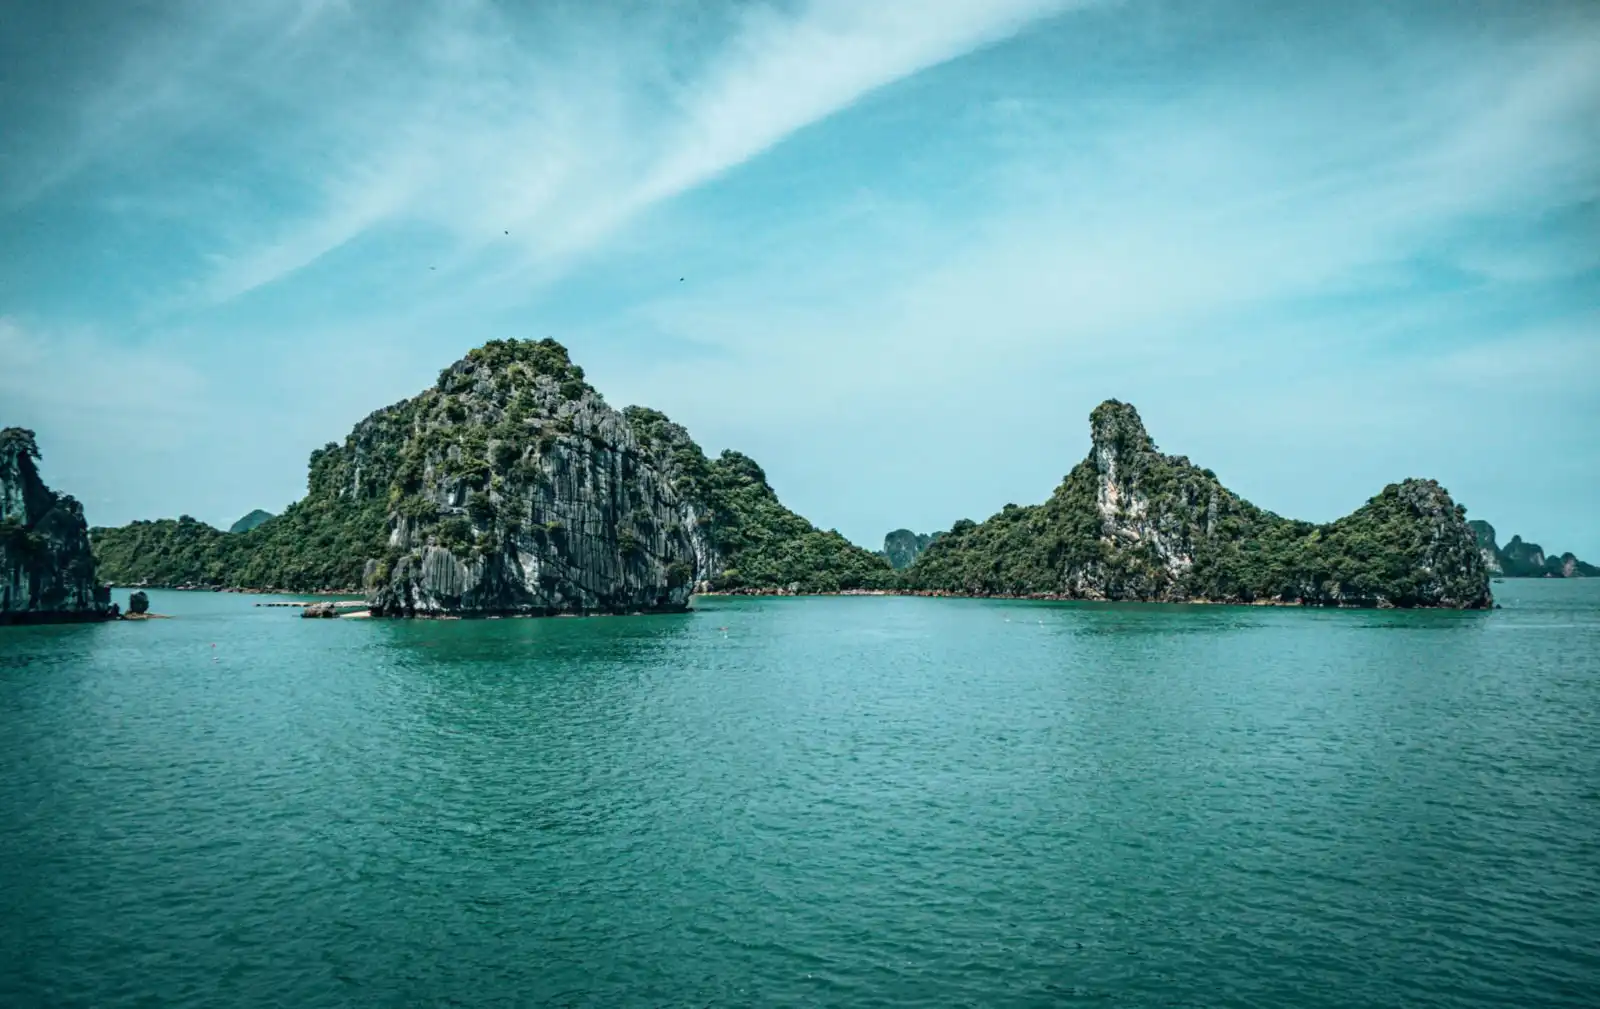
<point x="47" y="571"/>
<point x="519" y="491"/>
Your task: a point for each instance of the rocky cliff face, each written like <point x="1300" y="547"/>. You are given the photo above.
<point x="519" y="491"/>
<point x="1130" y="522"/>
<point x="47" y="571"/>
<point x="902" y="547"/>
<point x="1488" y="549"/>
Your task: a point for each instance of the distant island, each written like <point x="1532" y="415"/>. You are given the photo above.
<point x="902" y="547"/>
<point x="250" y="521"/>
<point x="511" y="487"/>
<point x="1526" y="560"/>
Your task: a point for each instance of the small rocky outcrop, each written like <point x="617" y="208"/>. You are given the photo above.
<point x="138" y="603"/>
<point x="1130" y="522"/>
<point x="47" y="571"/>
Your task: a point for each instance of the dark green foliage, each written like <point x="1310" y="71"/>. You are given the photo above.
<point x="1131" y="523"/>
<point x="506" y="452"/>
<point x="482" y="509"/>
<point x="1020" y="551"/>
<point x="762" y="544"/>
<point x="417" y="507"/>
<point x="18" y="441"/>
<point x="679" y="574"/>
<point x="765" y="545"/>
<point x="454" y="533"/>
<point x="317" y="544"/>
<point x="540" y="357"/>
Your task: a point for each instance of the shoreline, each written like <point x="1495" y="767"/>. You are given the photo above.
<point x="235" y="590"/>
<point x="1059" y="597"/>
<point x="1052" y="597"/>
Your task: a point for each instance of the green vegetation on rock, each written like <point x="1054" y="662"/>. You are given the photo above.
<point x="1130" y="522"/>
<point x="512" y="487"/>
<point x="493" y="454"/>
<point x="765" y="545"/>
<point x="47" y="569"/>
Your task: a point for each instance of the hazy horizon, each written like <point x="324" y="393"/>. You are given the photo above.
<point x="893" y="252"/>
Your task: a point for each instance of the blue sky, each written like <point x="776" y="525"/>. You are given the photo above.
<point x="1322" y="247"/>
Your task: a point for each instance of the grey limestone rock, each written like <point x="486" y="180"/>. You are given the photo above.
<point x="47" y="571"/>
<point x="521" y="492"/>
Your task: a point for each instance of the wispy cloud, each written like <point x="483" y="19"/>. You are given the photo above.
<point x="529" y="137"/>
<point x="1124" y="238"/>
<point x="1269" y="228"/>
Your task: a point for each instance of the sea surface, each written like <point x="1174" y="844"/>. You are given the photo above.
<point x="806" y="802"/>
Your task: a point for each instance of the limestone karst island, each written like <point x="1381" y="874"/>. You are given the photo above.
<point x="512" y="488"/>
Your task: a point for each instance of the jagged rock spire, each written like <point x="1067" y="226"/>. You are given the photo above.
<point x="1116" y="425"/>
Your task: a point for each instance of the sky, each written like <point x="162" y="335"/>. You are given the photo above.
<point x="894" y="251"/>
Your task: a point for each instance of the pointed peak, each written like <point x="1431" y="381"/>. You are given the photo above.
<point x="18" y="441"/>
<point x="1115" y="426"/>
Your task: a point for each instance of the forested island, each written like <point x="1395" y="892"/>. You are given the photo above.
<point x="1526" y="560"/>
<point x="1130" y="522"/>
<point x="512" y="487"/>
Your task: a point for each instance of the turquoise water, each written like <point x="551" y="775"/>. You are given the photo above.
<point x="853" y="801"/>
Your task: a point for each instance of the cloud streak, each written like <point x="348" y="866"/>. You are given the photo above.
<point x="554" y="126"/>
<point x="921" y="239"/>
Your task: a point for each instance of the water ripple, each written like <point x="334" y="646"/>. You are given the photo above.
<point x="865" y="802"/>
